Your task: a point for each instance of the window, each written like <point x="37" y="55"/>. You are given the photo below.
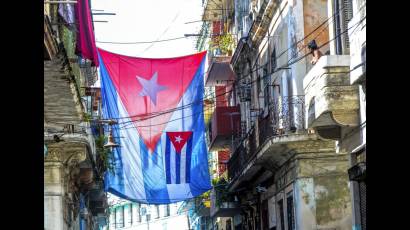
<point x="137" y="212"/>
<point x="289" y="209"/>
<point x="157" y="211"/>
<point x="273" y="60"/>
<point x="167" y="211"/>
<point x="120" y="217"/>
<point x="347" y="16"/>
<point x="130" y="213"/>
<point x="281" y="215"/>
<point x="228" y="225"/>
<point x="341" y="25"/>
<point x="112" y="218"/>
<point x="266" y="95"/>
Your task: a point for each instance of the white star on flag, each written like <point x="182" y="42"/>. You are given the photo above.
<point x="150" y="87"/>
<point x="178" y="139"/>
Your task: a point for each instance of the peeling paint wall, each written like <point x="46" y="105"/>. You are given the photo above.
<point x="332" y="196"/>
<point x="305" y="206"/>
<point x="315" y="13"/>
<point x="322" y="195"/>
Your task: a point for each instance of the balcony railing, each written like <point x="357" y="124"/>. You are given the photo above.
<point x="237" y="161"/>
<point x="286" y="116"/>
<point x="223" y="204"/>
<point x="224" y="127"/>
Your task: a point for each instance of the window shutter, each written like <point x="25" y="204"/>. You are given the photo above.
<point x="347" y="16"/>
<point x="273" y="60"/>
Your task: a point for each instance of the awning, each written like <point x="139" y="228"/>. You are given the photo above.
<point x="220" y="72"/>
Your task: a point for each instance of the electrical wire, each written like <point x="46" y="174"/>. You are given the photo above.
<point x="295" y="61"/>
<point x="257" y="79"/>
<point x="145" y="117"/>
<point x="282" y="53"/>
<point x="145" y="42"/>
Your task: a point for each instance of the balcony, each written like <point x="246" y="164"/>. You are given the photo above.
<point x="220" y="71"/>
<point x="223" y="205"/>
<point x="204" y="208"/>
<point x="210" y="14"/>
<point x="282" y="134"/>
<point x="333" y="102"/>
<point x="97" y="200"/>
<point x="225" y="123"/>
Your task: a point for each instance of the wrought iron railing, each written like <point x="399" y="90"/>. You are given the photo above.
<point x="236" y="161"/>
<point x="244" y="150"/>
<point x="286" y="116"/>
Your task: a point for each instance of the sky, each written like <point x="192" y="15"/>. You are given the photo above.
<point x="147" y="20"/>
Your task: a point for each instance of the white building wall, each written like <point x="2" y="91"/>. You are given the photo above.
<point x="132" y="222"/>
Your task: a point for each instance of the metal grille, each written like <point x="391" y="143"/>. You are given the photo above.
<point x="288" y="114"/>
<point x="363" y="209"/>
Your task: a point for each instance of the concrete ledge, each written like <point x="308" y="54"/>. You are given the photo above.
<point x="332" y="101"/>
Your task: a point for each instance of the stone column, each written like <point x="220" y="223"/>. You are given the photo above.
<point x="56" y="165"/>
<point x="53" y="191"/>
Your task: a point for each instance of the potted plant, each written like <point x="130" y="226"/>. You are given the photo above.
<point x="224" y="43"/>
<point x="104" y="155"/>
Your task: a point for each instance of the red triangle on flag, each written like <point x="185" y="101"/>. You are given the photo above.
<point x="179" y="139"/>
<point x="169" y="78"/>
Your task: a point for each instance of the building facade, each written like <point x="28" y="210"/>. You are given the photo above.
<point x="290" y="116"/>
<point x="135" y="216"/>
<point x="73" y="184"/>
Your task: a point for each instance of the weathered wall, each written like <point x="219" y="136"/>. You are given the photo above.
<point x="53" y="196"/>
<point x="315" y="13"/>
<point x="295" y="33"/>
<point x="305" y="205"/>
<point x="322" y="195"/>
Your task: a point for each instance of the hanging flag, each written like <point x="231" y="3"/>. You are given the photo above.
<point x="85" y="46"/>
<point x="162" y="156"/>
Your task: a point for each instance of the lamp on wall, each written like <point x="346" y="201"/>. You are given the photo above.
<point x="111" y="143"/>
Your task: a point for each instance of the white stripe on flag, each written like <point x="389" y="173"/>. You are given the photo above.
<point x="183" y="163"/>
<point x="172" y="163"/>
<point x="128" y="147"/>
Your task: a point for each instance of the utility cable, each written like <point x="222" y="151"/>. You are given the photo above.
<point x="287" y="65"/>
<point x="257" y="79"/>
<point x="291" y="63"/>
<point x="292" y="45"/>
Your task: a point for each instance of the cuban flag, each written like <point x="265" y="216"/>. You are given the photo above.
<point x="158" y="104"/>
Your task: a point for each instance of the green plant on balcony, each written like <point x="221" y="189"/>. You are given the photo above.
<point x="221" y="191"/>
<point x="104" y="155"/>
<point x="223" y="42"/>
<point x="87" y="117"/>
<point x="205" y="196"/>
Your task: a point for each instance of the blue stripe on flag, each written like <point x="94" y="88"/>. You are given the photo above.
<point x="178" y="167"/>
<point x="168" y="160"/>
<point x="188" y="160"/>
